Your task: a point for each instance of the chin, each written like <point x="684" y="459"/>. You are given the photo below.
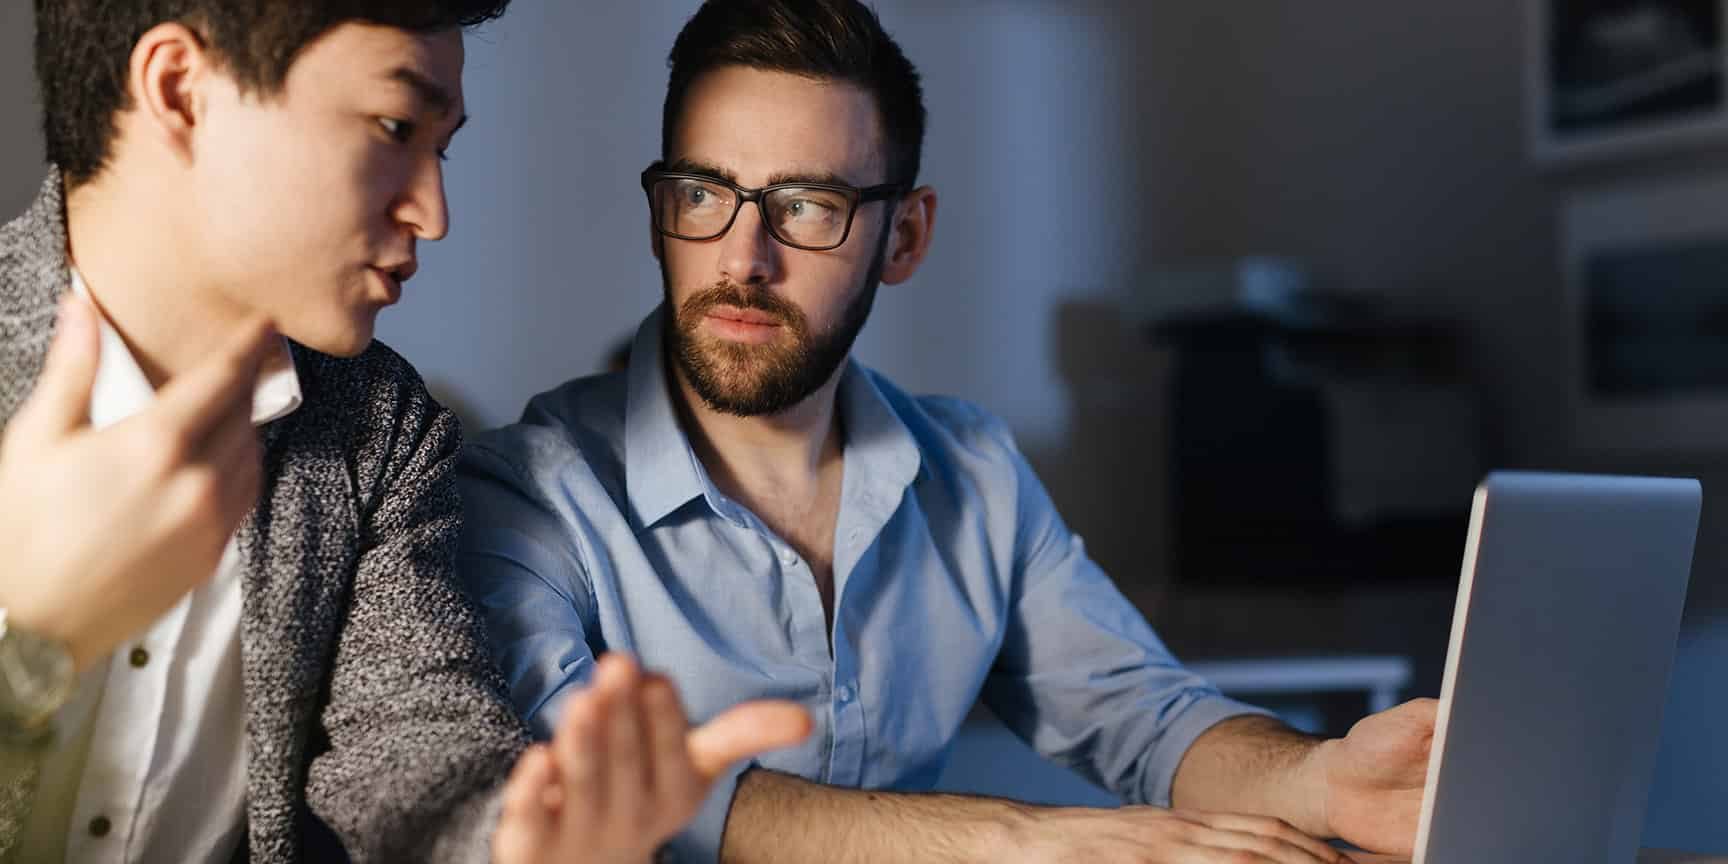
<point x="346" y="342"/>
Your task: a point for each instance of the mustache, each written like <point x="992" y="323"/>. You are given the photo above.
<point x="732" y="294"/>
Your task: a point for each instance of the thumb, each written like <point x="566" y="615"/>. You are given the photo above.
<point x="61" y="401"/>
<point x="747" y="730"/>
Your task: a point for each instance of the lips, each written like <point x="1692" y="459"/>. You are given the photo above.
<point x="737" y="315"/>
<point x="401" y="271"/>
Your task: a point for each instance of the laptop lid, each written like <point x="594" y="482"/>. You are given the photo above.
<point x="1562" y="643"/>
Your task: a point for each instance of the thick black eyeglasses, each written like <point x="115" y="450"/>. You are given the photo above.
<point x="815" y="217"/>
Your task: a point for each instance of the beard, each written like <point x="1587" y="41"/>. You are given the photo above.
<point x="762" y="380"/>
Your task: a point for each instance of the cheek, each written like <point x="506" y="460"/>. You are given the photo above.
<point x="279" y="192"/>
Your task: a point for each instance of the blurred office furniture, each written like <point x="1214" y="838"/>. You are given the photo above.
<point x="1318" y="441"/>
<point x="1298" y="689"/>
<point x="1266" y="473"/>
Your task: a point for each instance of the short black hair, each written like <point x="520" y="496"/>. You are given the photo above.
<point x="84" y="51"/>
<point x="836" y="40"/>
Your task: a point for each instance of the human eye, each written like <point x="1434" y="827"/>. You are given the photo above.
<point x="400" y="131"/>
<point x="696" y="196"/>
<point x="810" y="207"/>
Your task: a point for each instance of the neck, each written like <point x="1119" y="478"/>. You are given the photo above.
<point x="135" y="262"/>
<point x="779" y="454"/>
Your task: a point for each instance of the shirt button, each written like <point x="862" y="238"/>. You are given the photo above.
<point x="100" y="826"/>
<point x="140" y="658"/>
<point x="788" y="557"/>
<point x="844" y="694"/>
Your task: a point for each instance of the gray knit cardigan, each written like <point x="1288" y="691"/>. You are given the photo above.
<point x="376" y="722"/>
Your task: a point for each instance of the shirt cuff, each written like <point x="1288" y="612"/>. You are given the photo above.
<point x="1180" y="735"/>
<point x="699" y="843"/>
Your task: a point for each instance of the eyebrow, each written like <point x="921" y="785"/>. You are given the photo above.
<point x="692" y="166"/>
<point x="434" y="95"/>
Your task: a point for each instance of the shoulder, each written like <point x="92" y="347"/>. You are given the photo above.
<point x="950" y="427"/>
<point x="371" y="415"/>
<point x="569" y="443"/>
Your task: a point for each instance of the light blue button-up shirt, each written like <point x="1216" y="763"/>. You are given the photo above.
<point x="593" y="527"/>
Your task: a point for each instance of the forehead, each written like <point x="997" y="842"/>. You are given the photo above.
<point x="758" y="124"/>
<point x="352" y="53"/>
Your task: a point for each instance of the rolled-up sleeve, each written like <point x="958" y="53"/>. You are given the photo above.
<point x="1082" y="677"/>
<point x="523" y="569"/>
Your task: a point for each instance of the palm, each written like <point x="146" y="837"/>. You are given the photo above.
<point x="1375" y="778"/>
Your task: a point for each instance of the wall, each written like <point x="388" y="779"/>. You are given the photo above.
<point x="20" y="141"/>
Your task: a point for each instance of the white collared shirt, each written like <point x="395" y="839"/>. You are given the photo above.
<point x="150" y="760"/>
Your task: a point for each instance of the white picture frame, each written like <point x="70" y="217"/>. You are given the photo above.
<point x="1645" y="224"/>
<point x="1597" y="133"/>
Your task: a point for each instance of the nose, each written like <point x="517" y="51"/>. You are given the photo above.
<point x="423" y="207"/>
<point x="747" y="254"/>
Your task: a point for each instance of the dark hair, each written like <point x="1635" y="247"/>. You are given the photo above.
<point x="84" y="51"/>
<point x="837" y="40"/>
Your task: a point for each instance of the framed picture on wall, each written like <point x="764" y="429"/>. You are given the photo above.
<point x="1615" y="77"/>
<point x="1646" y="276"/>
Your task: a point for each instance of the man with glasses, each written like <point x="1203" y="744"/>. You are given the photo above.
<point x="758" y="515"/>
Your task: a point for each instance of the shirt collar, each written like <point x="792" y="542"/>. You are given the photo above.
<point x="121" y="390"/>
<point x="662" y="472"/>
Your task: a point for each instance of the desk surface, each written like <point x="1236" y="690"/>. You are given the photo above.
<point x="1649" y="856"/>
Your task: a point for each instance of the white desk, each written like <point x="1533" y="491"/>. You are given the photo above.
<point x="1383" y="678"/>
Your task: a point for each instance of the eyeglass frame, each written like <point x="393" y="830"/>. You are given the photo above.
<point x="858" y="196"/>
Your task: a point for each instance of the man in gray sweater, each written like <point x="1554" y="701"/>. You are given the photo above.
<point x="228" y="624"/>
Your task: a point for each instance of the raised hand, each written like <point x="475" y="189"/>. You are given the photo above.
<point x="625" y="772"/>
<point x="105" y="530"/>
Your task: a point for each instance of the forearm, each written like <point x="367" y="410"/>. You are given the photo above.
<point x="779" y="818"/>
<point x="1259" y="766"/>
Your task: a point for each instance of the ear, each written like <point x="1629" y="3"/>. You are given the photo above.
<point x="914" y="227"/>
<point x="169" y="66"/>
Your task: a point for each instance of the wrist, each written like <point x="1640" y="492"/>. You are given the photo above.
<point x="1311" y="811"/>
<point x="1003" y="831"/>
<point x="37" y="677"/>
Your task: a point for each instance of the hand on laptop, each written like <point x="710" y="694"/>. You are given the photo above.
<point x="105" y="530"/>
<point x="1375" y="777"/>
<point x="624" y="771"/>
<point x="1152" y="835"/>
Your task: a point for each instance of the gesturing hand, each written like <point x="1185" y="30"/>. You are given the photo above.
<point x="624" y="771"/>
<point x="104" y="530"/>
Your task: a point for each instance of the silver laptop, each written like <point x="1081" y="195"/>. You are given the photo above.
<point x="1562" y="643"/>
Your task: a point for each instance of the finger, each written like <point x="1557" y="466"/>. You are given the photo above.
<point x="61" y="401"/>
<point x="675" y="783"/>
<point x="1266" y="849"/>
<point x="627" y="771"/>
<point x="220" y="389"/>
<point x="1276" y="829"/>
<point x="525" y="824"/>
<point x="578" y="748"/>
<point x="237" y="456"/>
<point x="748" y="730"/>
